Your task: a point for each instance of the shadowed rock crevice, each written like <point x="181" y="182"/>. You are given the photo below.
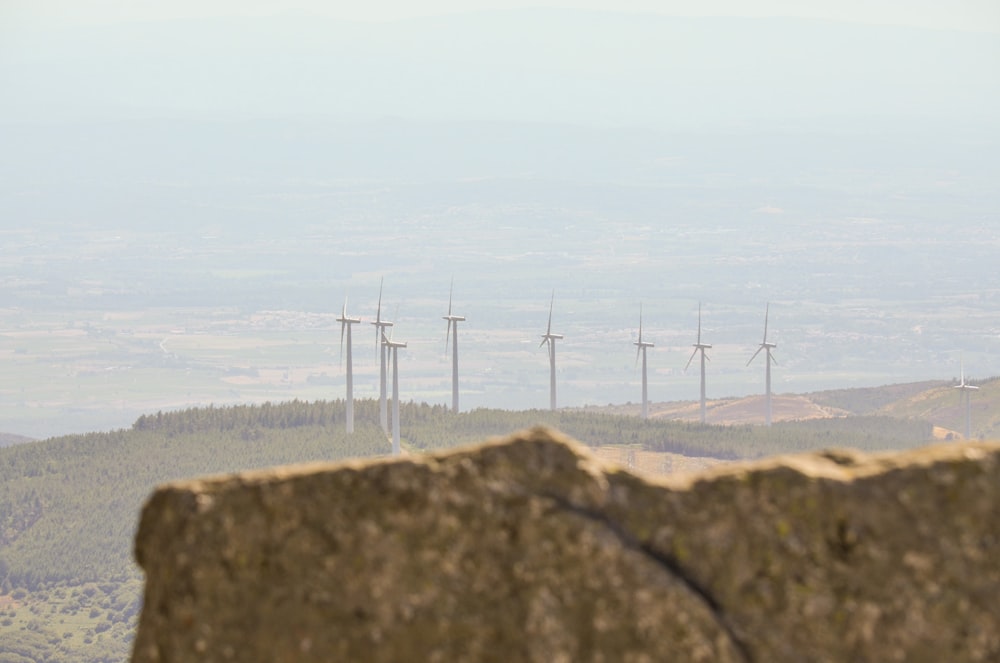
<point x="665" y="562"/>
<point x="531" y="549"/>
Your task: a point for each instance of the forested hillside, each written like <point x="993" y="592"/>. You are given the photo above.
<point x="69" y="505"/>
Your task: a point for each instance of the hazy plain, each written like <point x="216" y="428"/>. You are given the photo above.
<point x="172" y="238"/>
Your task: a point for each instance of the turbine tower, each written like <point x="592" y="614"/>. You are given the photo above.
<point x="550" y="338"/>
<point x="394" y="347"/>
<point x="453" y="320"/>
<point x="345" y="324"/>
<point x="767" y="369"/>
<point x="640" y="348"/>
<point x="965" y="391"/>
<point x="700" y="347"/>
<point x="380" y="326"/>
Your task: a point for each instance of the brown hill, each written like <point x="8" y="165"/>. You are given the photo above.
<point x="732" y="411"/>
<point x="934" y="401"/>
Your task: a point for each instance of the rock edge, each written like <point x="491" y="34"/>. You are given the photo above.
<point x="530" y="549"/>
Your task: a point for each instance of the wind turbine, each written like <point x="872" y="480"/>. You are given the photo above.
<point x="550" y="338"/>
<point x="764" y="345"/>
<point x="640" y="347"/>
<point x="453" y="320"/>
<point x="394" y="347"/>
<point x="380" y="326"/>
<point x="345" y="324"/>
<point x="700" y="347"/>
<point x="965" y="389"/>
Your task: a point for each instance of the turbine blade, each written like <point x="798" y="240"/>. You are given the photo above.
<point x="638" y="349"/>
<point x="545" y="339"/>
<point x="548" y="330"/>
<point x="755" y="355"/>
<point x="767" y="310"/>
<point x="640" y="324"/>
<point x="342" y="326"/>
<point x="699" y="323"/>
<point x="450" y="291"/>
<point x="447" y="334"/>
<point x="686" y="366"/>
<point x="394" y="326"/>
<point x="378" y="314"/>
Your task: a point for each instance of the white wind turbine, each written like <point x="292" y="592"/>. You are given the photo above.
<point x="700" y="347"/>
<point x="393" y="347"/>
<point x="345" y="325"/>
<point x="640" y="348"/>
<point x="549" y="338"/>
<point x="767" y="370"/>
<point x="965" y="390"/>
<point x="453" y="321"/>
<point x="380" y="326"/>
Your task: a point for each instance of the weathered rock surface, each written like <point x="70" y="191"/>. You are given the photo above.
<point x="530" y="549"/>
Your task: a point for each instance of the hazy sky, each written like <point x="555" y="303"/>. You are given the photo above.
<point x="651" y="140"/>
<point x="580" y="68"/>
<point x="976" y="15"/>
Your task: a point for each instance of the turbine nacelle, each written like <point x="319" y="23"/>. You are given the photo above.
<point x="640" y="344"/>
<point x="640" y="347"/>
<point x="962" y="384"/>
<point x="698" y="345"/>
<point x="389" y="343"/>
<point x="548" y="336"/>
<point x="344" y="319"/>
<point x="344" y="323"/>
<point x="453" y="320"/>
<point x="549" y="339"/>
<point x="764" y="344"/>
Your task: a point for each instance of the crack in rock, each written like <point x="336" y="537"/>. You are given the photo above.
<point x="665" y="562"/>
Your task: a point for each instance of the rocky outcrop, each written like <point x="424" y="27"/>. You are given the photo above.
<point x="529" y="549"/>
